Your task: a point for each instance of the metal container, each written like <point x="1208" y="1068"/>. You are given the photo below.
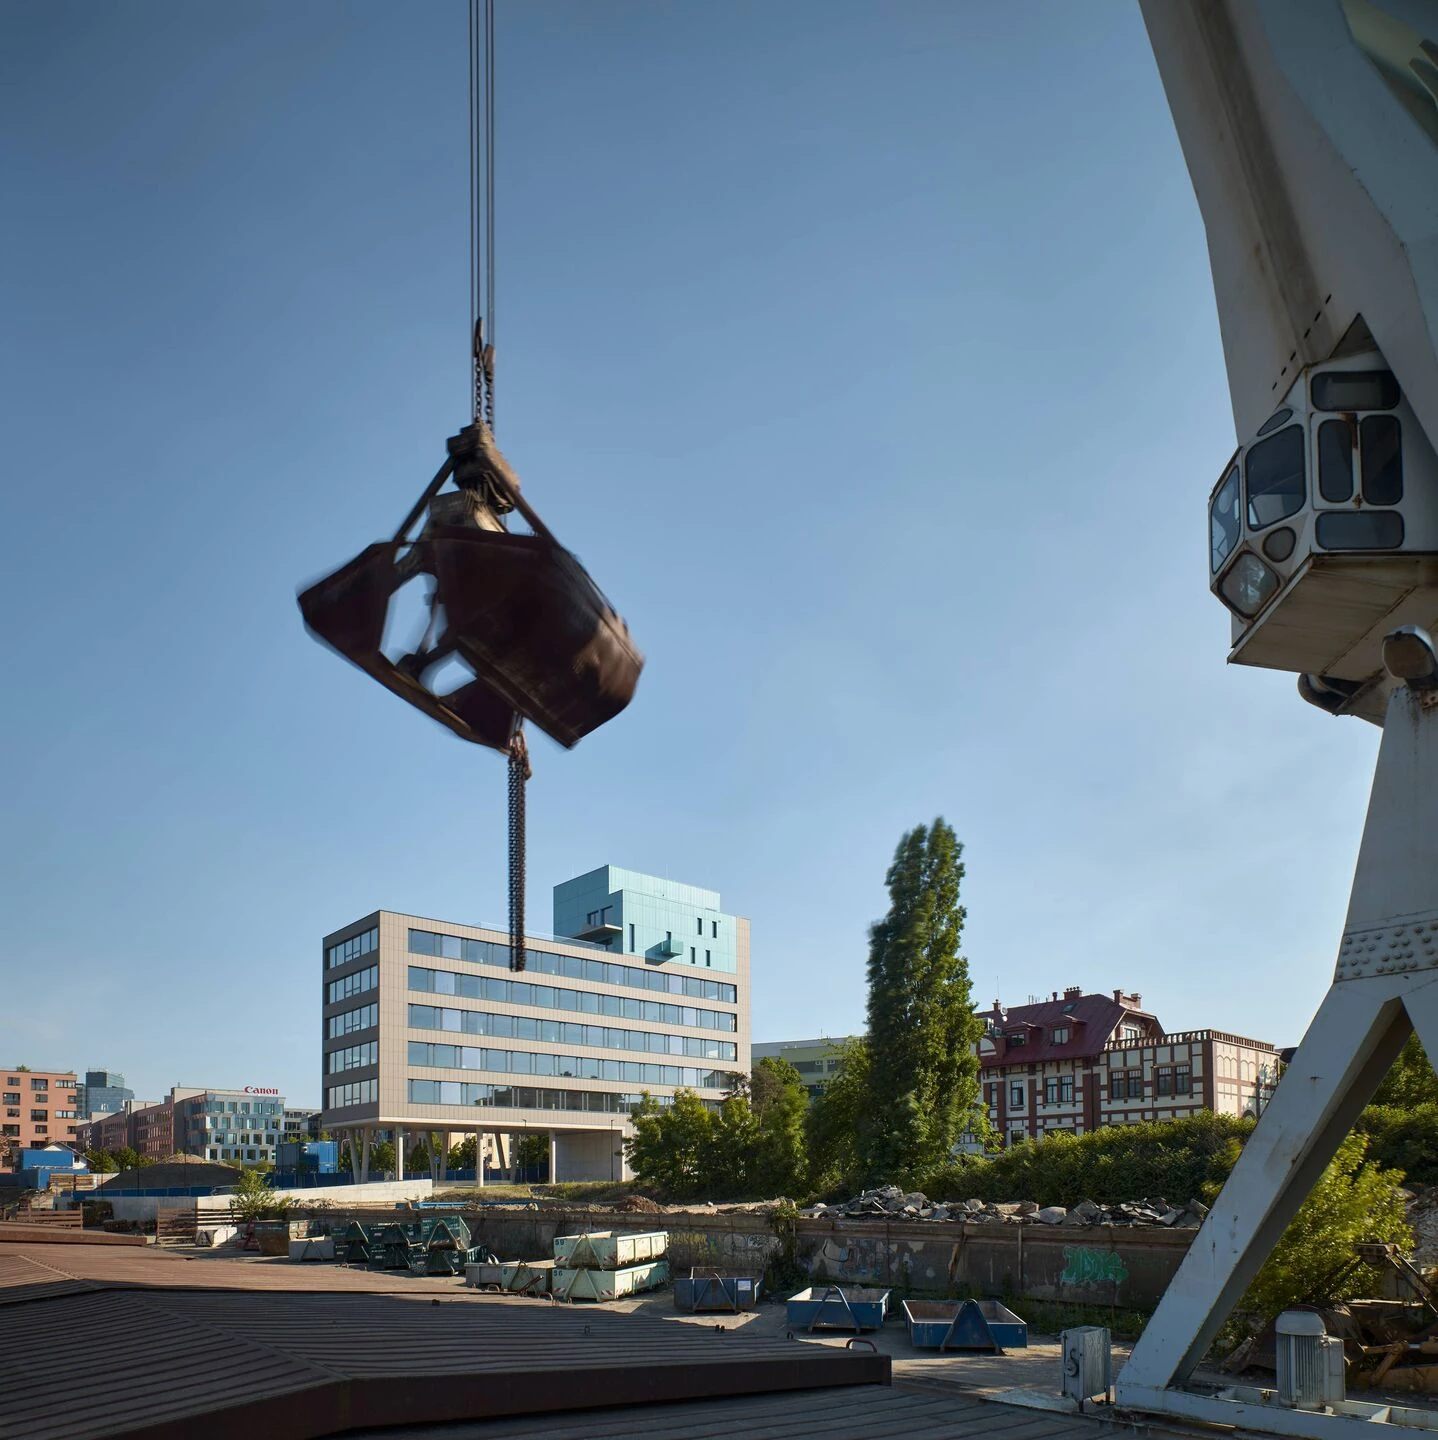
<point x="964" y="1325"/>
<point x="609" y="1250"/>
<point x="696" y="1293"/>
<point x="609" y="1284"/>
<point x="831" y="1307"/>
<point x="527" y="1277"/>
<point x="485" y="1274"/>
<point x="313" y="1247"/>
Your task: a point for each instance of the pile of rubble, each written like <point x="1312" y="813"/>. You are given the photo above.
<point x="889" y="1200"/>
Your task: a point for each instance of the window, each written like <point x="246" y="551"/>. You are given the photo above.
<point x="708" y="959"/>
<point x="1223" y="523"/>
<point x="10" y="1097"/>
<point x="1381" y="454"/>
<point x="353" y="1057"/>
<point x="1132" y="1032"/>
<point x="1016" y="1095"/>
<point x="355" y="984"/>
<point x="631" y="938"/>
<point x="1017" y="1037"/>
<point x="64" y="1114"/>
<point x="1051" y="1090"/>
<point x="1355" y="390"/>
<point x="1066" y="1088"/>
<point x="700" y="923"/>
<point x="1163" y="1080"/>
<point x="9" y="1129"/>
<point x="1182" y="1080"/>
<point x="525" y="1097"/>
<point x="992" y="1092"/>
<point x="39" y="1114"/>
<point x="42" y="1129"/>
<point x="1135" y="1084"/>
<point x="1335" y="461"/>
<point x="715" y="930"/>
<point x="1115" y="1085"/>
<point x="352" y="1020"/>
<point x="357" y="1092"/>
<point x="12" y="1113"/>
<point x="1354" y="530"/>
<point x="599" y="1037"/>
<point x="1017" y="1137"/>
<point x="40" y="1084"/>
<point x="351" y="949"/>
<point x="693" y="958"/>
<point x="1274" y="472"/>
<point x="1061" y="1035"/>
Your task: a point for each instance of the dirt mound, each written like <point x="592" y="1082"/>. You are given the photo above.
<point x="639" y="1205"/>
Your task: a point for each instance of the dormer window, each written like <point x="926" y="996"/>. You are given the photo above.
<point x="1060" y="1035"/>
<point x="1016" y="1037"/>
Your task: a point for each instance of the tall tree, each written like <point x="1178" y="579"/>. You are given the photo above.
<point x="923" y="1069"/>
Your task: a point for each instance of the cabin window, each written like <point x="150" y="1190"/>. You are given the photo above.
<point x="1359" y="530"/>
<point x="1335" y="461"/>
<point x="1273" y="469"/>
<point x="1223" y="520"/>
<point x="1355" y="390"/>
<point x="1382" y="456"/>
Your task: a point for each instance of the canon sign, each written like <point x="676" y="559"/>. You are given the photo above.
<point x="259" y="1090"/>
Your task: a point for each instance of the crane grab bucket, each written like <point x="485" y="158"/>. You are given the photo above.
<point x="518" y="611"/>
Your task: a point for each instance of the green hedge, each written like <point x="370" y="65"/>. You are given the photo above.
<point x="1180" y="1160"/>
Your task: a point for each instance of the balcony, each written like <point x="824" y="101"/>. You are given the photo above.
<point x="600" y="933"/>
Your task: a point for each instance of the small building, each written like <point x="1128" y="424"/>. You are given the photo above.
<point x="36" y="1166"/>
<point x="308" y="1157"/>
<point x="815" y="1060"/>
<point x="37" y="1108"/>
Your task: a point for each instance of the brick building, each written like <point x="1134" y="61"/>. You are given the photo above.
<point x="37" y="1108"/>
<point x="1078" y="1062"/>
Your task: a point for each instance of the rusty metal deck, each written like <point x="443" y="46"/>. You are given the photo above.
<point x="874" y="1413"/>
<point x="199" y="1349"/>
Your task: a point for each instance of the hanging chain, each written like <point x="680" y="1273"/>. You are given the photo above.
<point x="481" y="309"/>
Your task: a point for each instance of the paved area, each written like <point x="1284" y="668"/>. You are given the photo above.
<point x="294" y="1351"/>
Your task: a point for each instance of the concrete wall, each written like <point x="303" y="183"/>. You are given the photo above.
<point x="589" y="1155"/>
<point x="1117" y="1266"/>
<point x="143" y="1208"/>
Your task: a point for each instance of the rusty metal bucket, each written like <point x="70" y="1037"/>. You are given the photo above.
<point x="519" y="610"/>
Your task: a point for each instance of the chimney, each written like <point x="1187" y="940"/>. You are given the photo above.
<point x="1072" y="992"/>
<point x="1118" y="997"/>
<point x="1056" y="994"/>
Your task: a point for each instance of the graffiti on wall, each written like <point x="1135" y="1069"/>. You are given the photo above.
<point x="1084" y="1265"/>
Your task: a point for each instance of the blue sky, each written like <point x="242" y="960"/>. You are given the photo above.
<point x="867" y="356"/>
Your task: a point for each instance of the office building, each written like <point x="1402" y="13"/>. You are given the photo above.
<point x="301" y="1125"/>
<point x="1079" y="1062"/>
<point x="426" y="1028"/>
<point x="103" y="1092"/>
<point x="37" y="1108"/>
<point x="815" y="1060"/>
<point x="243" y="1125"/>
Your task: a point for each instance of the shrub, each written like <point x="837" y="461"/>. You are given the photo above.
<point x="1176" y="1159"/>
<point x="1402" y="1137"/>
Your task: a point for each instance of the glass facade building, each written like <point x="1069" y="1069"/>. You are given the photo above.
<point x="643" y="989"/>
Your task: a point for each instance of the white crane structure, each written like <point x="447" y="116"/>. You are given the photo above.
<point x="1310" y="130"/>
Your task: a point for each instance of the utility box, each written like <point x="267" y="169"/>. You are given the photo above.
<point x="1088" y="1362"/>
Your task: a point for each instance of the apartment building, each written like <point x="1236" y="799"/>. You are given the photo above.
<point x="37" y="1108"/>
<point x="644" y="987"/>
<point x="1078" y="1062"/>
<point x="103" y="1092"/>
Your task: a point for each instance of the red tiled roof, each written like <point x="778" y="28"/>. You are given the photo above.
<point x="1092" y="1020"/>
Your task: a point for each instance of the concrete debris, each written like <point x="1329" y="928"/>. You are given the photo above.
<point x="890" y="1201"/>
